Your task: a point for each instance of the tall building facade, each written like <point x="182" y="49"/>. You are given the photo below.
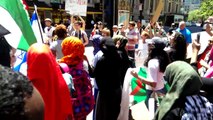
<point x="170" y="7"/>
<point x="190" y="5"/>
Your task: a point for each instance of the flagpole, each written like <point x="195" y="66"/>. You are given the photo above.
<point x="39" y="23"/>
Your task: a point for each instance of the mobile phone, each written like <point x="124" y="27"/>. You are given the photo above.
<point x="198" y="37"/>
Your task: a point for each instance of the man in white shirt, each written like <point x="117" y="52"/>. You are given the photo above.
<point x="115" y="30"/>
<point x="48" y="30"/>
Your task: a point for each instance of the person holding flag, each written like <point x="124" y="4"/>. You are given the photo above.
<point x="156" y="64"/>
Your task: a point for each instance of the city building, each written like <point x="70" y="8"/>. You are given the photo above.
<point x="190" y="5"/>
<point x="170" y="7"/>
<point x="54" y="9"/>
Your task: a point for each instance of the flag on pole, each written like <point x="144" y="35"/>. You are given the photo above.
<point x="15" y="19"/>
<point x="21" y="62"/>
<point x="21" y="56"/>
<point x="36" y="26"/>
<point x="25" y="4"/>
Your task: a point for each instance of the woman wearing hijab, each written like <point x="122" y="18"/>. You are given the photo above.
<point x="46" y="76"/>
<point x="108" y="79"/>
<point x="83" y="99"/>
<point x="120" y="43"/>
<point x="182" y="101"/>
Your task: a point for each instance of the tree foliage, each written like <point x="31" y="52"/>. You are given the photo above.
<point x="206" y="8"/>
<point x="194" y="15"/>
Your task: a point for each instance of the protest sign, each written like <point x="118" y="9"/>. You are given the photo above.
<point x="76" y="7"/>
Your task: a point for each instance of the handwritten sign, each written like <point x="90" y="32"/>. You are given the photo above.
<point x="76" y="7"/>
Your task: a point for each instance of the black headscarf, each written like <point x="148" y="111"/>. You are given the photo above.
<point x="4" y="52"/>
<point x="107" y="70"/>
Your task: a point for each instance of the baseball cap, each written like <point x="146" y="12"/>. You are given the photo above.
<point x="48" y="19"/>
<point x="120" y="25"/>
<point x="158" y="42"/>
<point x="115" y="26"/>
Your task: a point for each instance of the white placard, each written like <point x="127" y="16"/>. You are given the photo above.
<point x="76" y="7"/>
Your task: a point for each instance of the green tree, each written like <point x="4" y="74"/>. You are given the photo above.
<point x="194" y="15"/>
<point x="206" y="8"/>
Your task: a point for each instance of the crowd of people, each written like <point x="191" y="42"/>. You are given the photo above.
<point x="59" y="75"/>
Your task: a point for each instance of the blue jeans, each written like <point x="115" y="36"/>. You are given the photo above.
<point x="148" y="94"/>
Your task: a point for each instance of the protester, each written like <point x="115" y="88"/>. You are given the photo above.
<point x="160" y="32"/>
<point x="185" y="32"/>
<point x="120" y="43"/>
<point x="83" y="23"/>
<point x="156" y="64"/>
<point x="61" y="33"/>
<point x="177" y="49"/>
<point x="142" y="51"/>
<point x="83" y="100"/>
<point x="97" y="56"/>
<point x="115" y="30"/>
<point x="151" y="29"/>
<point x="205" y="61"/>
<point x="46" y="76"/>
<point x="71" y="28"/>
<point x="183" y="100"/>
<point x="209" y="64"/>
<point x="19" y="100"/>
<point x="107" y="76"/>
<point x="209" y="27"/>
<point x="173" y="27"/>
<point x="132" y="39"/>
<point x="96" y="39"/>
<point x="98" y="28"/>
<point x="106" y="32"/>
<point x="48" y="30"/>
<point x="139" y="27"/>
<point x="81" y="34"/>
<point x="122" y="29"/>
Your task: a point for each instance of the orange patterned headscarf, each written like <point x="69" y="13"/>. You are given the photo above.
<point x="73" y="50"/>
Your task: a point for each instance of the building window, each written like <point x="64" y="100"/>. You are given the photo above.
<point x="177" y="11"/>
<point x="169" y="8"/>
<point x="151" y="6"/>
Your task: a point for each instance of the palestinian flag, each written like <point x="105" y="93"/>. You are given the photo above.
<point x="139" y="88"/>
<point x="15" y="19"/>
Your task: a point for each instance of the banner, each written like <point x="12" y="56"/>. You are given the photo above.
<point x="123" y="17"/>
<point x="76" y="7"/>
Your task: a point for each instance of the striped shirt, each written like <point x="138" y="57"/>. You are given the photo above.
<point x="131" y="36"/>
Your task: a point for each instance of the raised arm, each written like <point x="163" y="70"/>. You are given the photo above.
<point x="83" y="23"/>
